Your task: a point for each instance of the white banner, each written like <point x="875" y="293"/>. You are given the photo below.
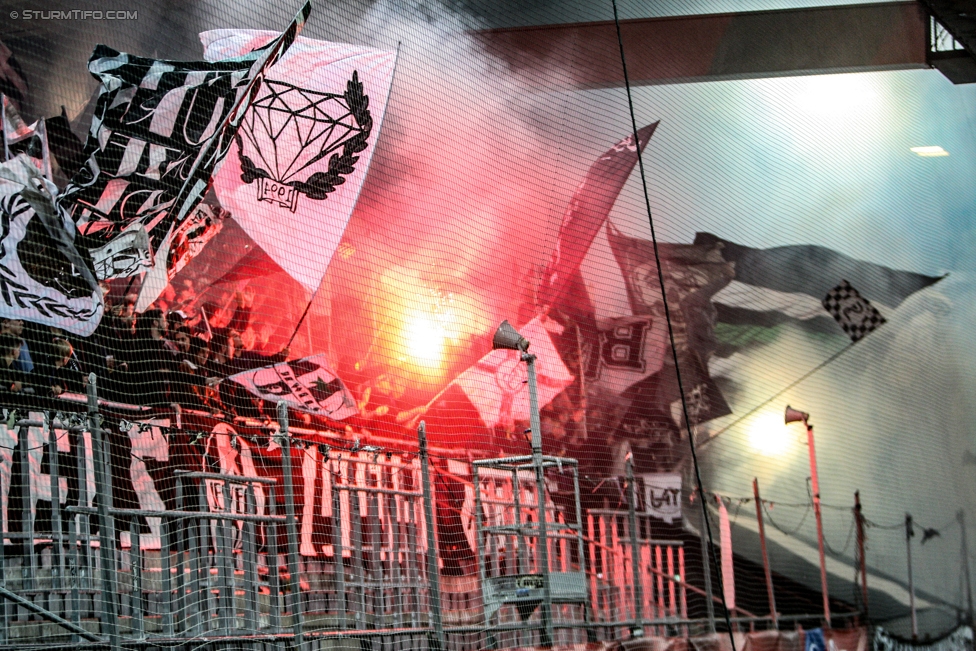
<point x="148" y="442"/>
<point x="293" y="175"/>
<point x="662" y="495"/>
<point x="306" y="384"/>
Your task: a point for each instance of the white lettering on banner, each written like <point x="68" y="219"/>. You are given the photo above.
<point x="393" y="513"/>
<point x="37" y="443"/>
<point x="39" y="484"/>
<point x="662" y="495"/>
<point x="460" y="469"/>
<point x="248" y="469"/>
<point x="224" y="442"/>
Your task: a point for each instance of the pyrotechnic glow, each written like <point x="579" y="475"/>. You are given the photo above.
<point x="769" y="436"/>
<point x="425" y="340"/>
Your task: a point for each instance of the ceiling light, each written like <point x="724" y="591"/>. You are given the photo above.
<point x="929" y="152"/>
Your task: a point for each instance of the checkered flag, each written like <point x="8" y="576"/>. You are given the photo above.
<point x="853" y="312"/>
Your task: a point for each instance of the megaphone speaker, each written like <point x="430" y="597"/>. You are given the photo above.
<point x="508" y="338"/>
<point x="795" y="415"/>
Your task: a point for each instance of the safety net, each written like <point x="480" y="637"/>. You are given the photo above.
<point x="461" y="325"/>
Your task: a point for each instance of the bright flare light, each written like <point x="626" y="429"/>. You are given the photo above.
<point x="835" y="95"/>
<point x="930" y="151"/>
<point x="425" y="340"/>
<point x="769" y="436"/>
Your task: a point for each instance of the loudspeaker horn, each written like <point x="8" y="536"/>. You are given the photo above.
<point x="795" y="415"/>
<point x="508" y="338"/>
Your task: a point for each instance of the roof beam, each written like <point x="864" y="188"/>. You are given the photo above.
<point x="713" y="47"/>
<point x="958" y="17"/>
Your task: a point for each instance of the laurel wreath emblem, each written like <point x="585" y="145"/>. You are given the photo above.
<point x="320" y="184"/>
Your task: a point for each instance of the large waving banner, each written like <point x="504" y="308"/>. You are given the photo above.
<point x="295" y="170"/>
<point x="160" y="130"/>
<point x="588" y="210"/>
<point x="788" y="284"/>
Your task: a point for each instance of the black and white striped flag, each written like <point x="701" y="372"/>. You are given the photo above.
<point x="160" y="131"/>
<point x="21" y="138"/>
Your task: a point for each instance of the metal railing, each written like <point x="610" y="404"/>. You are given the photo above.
<point x="227" y="558"/>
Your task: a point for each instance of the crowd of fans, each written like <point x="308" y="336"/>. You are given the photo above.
<point x="173" y="354"/>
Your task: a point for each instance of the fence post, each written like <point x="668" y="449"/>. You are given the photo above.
<point x="106" y="527"/>
<point x="909" y="534"/>
<point x="433" y="571"/>
<point x="638" y="629"/>
<point x="707" y="568"/>
<point x="961" y="518"/>
<point x="538" y="461"/>
<point x="290" y="528"/>
<point x="765" y="557"/>
<point x="859" y="518"/>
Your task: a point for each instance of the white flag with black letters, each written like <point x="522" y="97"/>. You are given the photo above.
<point x="662" y="495"/>
<point x="307" y="385"/>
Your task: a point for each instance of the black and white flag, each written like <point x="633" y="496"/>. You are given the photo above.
<point x="43" y="277"/>
<point x="160" y="131"/>
<point x="307" y="385"/>
<point x="853" y="312"/>
<point x="21" y="138"/>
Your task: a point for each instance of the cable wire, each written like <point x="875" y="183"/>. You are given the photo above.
<point x="667" y="315"/>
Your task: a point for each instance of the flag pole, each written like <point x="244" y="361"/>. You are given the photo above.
<point x="909" y="534"/>
<point x="762" y="543"/>
<point x="301" y="319"/>
<point x="819" y="515"/>
<point x="859" y="516"/>
<point x="582" y="375"/>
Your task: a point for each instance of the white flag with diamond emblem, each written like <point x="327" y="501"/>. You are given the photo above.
<point x="302" y="153"/>
<point x="853" y="312"/>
